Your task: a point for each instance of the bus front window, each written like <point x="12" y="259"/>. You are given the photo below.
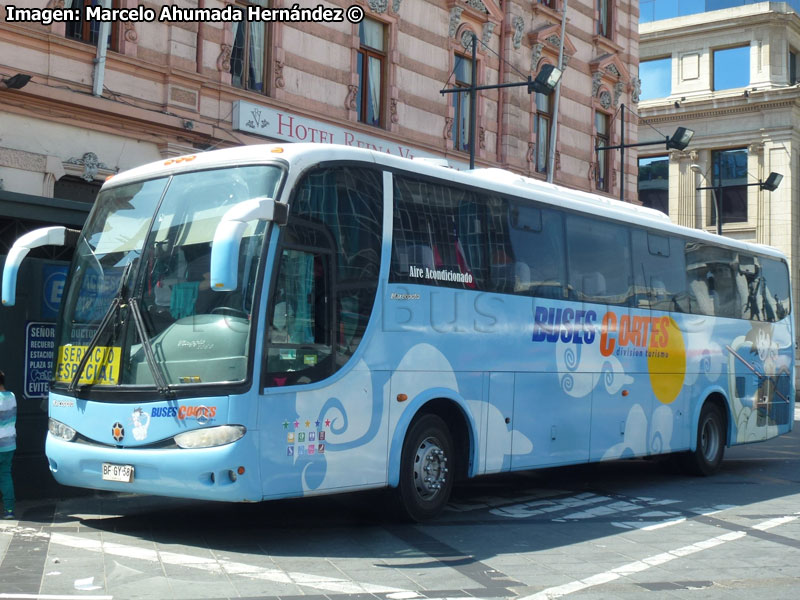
<point x="139" y="302"/>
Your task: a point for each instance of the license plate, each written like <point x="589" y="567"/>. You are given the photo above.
<point x="123" y="473"/>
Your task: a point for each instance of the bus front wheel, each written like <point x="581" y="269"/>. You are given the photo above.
<point x="426" y="477"/>
<point x="706" y="458"/>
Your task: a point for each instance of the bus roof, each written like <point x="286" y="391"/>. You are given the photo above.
<point x="300" y="156"/>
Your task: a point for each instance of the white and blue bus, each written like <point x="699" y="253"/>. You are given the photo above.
<point x="280" y="321"/>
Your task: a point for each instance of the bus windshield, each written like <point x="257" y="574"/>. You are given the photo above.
<point x="139" y="309"/>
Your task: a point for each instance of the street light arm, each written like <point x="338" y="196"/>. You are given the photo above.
<point x="478" y="88"/>
<point x="618" y="146"/>
<point x="761" y="184"/>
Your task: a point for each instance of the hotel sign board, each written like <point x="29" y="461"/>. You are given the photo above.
<point x="282" y="125"/>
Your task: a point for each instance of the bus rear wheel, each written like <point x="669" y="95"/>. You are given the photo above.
<point x="426" y="479"/>
<point x="707" y="457"/>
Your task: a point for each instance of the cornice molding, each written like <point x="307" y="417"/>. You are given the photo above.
<point x="719" y="112"/>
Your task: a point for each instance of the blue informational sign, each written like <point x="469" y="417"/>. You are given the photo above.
<point x="53" y="279"/>
<point x="39" y="346"/>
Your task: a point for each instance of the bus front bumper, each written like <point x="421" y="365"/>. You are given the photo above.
<point x="227" y="473"/>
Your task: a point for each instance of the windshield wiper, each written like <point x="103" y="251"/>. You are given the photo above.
<point x="147" y="347"/>
<point x="116" y="303"/>
<point x="120" y="301"/>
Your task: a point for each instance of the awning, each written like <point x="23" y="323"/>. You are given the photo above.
<point x="46" y="210"/>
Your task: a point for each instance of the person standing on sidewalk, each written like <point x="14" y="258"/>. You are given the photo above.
<point x="8" y="443"/>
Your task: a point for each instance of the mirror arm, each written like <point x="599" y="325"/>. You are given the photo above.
<point x="229" y="233"/>
<point x="45" y="236"/>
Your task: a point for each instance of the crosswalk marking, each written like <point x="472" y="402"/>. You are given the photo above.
<point x="212" y="565"/>
<point x="638" y="566"/>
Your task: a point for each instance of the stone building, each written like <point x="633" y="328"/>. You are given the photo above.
<point x="192" y="75"/>
<point x="731" y="76"/>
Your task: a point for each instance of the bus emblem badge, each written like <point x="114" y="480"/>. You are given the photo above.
<point x="117" y="431"/>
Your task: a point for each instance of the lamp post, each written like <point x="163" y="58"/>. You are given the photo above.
<point x="545" y="82"/>
<point x="678" y="141"/>
<point x="770" y="185"/>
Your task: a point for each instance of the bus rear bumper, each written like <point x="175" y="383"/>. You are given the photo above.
<point x="227" y="473"/>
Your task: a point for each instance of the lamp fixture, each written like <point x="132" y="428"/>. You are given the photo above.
<point x="546" y="81"/>
<point x="772" y="182"/>
<point x="680" y="139"/>
<point x="16" y="82"/>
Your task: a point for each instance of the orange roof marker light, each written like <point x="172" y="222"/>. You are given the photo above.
<point x="175" y="161"/>
<point x="277" y="150"/>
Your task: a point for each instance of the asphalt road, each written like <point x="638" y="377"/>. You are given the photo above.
<point x="613" y="530"/>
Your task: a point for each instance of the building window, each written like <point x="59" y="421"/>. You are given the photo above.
<point x="656" y="78"/>
<point x="654" y="182"/>
<point x="655" y="10"/>
<point x="601" y="125"/>
<point x="71" y="187"/>
<point x="371" y="59"/>
<point x="249" y="54"/>
<point x="729" y="178"/>
<point x="793" y="67"/>
<point x="547" y="3"/>
<point x="461" y="103"/>
<point x="89" y="30"/>
<point x="541" y="127"/>
<point x="604" y="20"/>
<point x="731" y="68"/>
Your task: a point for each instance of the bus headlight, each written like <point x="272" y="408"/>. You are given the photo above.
<point x="209" y="437"/>
<point x="61" y="431"/>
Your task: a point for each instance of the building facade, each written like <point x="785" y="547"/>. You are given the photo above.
<point x="192" y="75"/>
<point x="731" y="76"/>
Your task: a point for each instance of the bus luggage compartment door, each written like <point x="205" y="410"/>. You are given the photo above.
<point x="551" y="419"/>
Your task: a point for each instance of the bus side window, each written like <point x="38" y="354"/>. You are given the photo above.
<point x="526" y="249"/>
<point x="659" y="272"/>
<point x="711" y="274"/>
<point x="441" y="228"/>
<point x="772" y="295"/>
<point x="599" y="261"/>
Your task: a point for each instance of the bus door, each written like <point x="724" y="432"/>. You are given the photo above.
<point x="632" y="415"/>
<point x="601" y="278"/>
<point x="321" y="298"/>
<point x="552" y="400"/>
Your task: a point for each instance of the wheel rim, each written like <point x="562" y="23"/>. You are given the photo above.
<point x="709" y="440"/>
<point x="430" y="470"/>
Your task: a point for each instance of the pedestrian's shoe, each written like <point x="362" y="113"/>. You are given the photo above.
<point x="9" y="514"/>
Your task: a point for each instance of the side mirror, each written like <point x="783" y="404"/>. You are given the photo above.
<point x="228" y="238"/>
<point x="46" y="236"/>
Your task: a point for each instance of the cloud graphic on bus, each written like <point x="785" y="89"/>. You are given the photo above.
<point x="362" y="425"/>
<point x="587" y="358"/>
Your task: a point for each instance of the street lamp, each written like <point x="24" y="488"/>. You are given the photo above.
<point x="770" y="185"/>
<point x="545" y="82"/>
<point x="772" y="182"/>
<point x="16" y="82"/>
<point x="679" y="140"/>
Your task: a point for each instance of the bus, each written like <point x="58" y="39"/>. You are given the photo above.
<point x="282" y="321"/>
